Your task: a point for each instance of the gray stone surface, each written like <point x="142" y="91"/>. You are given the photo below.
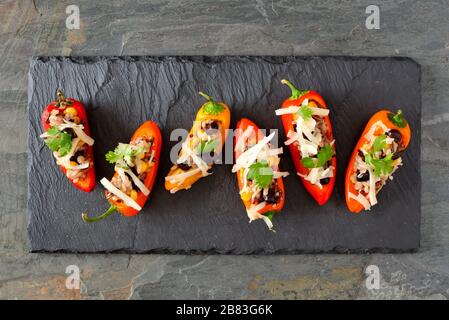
<point x="417" y="29"/>
<point x="121" y="93"/>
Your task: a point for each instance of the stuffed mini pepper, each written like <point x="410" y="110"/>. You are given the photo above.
<point x="258" y="175"/>
<point x="377" y="155"/>
<point x="67" y="134"/>
<point x="312" y="146"/>
<point x="135" y="168"/>
<point x="204" y="142"/>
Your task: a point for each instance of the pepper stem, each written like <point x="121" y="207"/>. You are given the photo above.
<point x="296" y="93"/>
<point x="398" y="119"/>
<point x="205" y="96"/>
<point x="108" y="212"/>
<point x="60" y="95"/>
<point x="62" y="102"/>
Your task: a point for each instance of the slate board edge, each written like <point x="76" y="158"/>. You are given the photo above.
<point x="217" y="59"/>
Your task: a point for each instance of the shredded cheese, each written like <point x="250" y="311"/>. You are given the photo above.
<point x="372" y="187"/>
<point x="127" y="200"/>
<point x="79" y="130"/>
<point x="248" y="157"/>
<point x="360" y="199"/>
<point x="79" y="167"/>
<point x="180" y="177"/>
<point x="278" y="174"/>
<point x="253" y="214"/>
<point x="138" y="182"/>
<point x="288" y="110"/>
<point x="240" y="144"/>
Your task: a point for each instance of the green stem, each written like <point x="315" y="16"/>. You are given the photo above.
<point x="211" y="107"/>
<point x="108" y="212"/>
<point x="207" y="97"/>
<point x="397" y="119"/>
<point x="296" y="93"/>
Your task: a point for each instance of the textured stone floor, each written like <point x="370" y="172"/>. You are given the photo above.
<point x="418" y="29"/>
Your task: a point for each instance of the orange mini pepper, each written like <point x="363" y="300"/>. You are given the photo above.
<point x="391" y="121"/>
<point x="242" y="125"/>
<point x="148" y="129"/>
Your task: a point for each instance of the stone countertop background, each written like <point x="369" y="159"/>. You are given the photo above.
<point x="417" y="29"/>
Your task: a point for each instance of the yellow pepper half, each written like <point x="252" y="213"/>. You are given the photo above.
<point x="211" y="110"/>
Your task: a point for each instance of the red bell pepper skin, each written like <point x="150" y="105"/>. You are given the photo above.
<point x="321" y="196"/>
<point x="147" y="129"/>
<point x="61" y="104"/>
<point x="242" y="125"/>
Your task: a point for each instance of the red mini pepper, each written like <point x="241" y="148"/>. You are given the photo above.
<point x="242" y="125"/>
<point x="147" y="130"/>
<point x="321" y="195"/>
<point x="63" y="105"/>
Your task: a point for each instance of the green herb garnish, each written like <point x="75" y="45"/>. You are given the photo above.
<point x="324" y="155"/>
<point x="123" y="154"/>
<point x="59" y="141"/>
<point x="206" y="146"/>
<point x="261" y="174"/>
<point x="379" y="143"/>
<point x="305" y="112"/>
<point x="211" y="107"/>
<point x="381" y="166"/>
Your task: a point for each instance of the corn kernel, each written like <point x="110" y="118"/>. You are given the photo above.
<point x="133" y="194"/>
<point x="72" y="111"/>
<point x="246" y="196"/>
<point x="144" y="166"/>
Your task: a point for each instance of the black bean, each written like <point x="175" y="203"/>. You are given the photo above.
<point x="70" y="131"/>
<point x="361" y="154"/>
<point x="362" y="176"/>
<point x="75" y="156"/>
<point x="396" y="135"/>
<point x="397" y="154"/>
<point x="272" y="196"/>
<point x="325" y="181"/>
<point x="184" y="166"/>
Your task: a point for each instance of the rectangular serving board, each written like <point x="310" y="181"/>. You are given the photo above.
<point x="122" y="92"/>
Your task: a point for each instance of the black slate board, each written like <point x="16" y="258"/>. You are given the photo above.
<point x="121" y="92"/>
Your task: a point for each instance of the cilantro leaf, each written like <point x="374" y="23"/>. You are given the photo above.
<point x="59" y="141"/>
<point x="261" y="174"/>
<point x="382" y="166"/>
<point x="324" y="155"/>
<point x="305" y="112"/>
<point x="308" y="162"/>
<point x="123" y="154"/>
<point x="207" y="146"/>
<point x="379" y="143"/>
